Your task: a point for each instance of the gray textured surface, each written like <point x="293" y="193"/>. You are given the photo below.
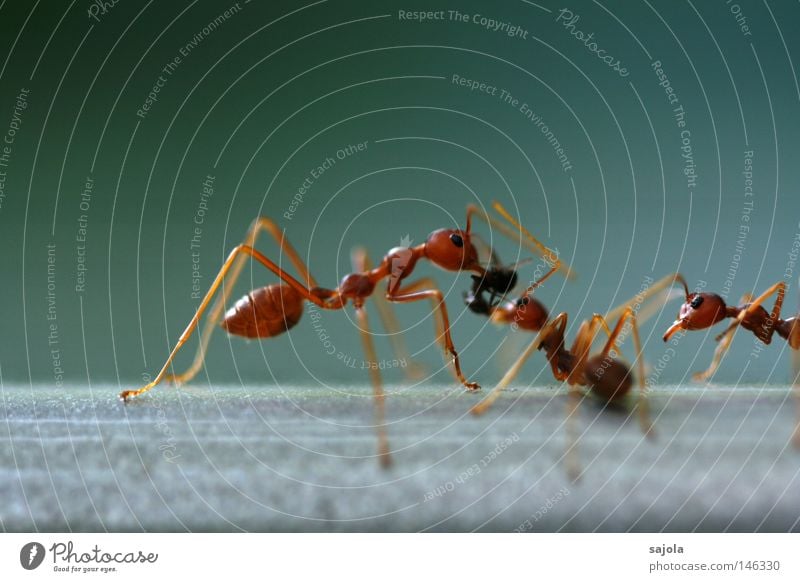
<point x="293" y="459"/>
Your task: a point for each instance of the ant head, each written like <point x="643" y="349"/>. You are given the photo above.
<point x="452" y="250"/>
<point x="700" y="311"/>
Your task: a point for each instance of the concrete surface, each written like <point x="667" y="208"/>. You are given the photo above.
<point x="301" y="459"/>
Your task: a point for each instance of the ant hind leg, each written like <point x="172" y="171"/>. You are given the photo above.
<point x="377" y="387"/>
<point x="259" y="225"/>
<point x="304" y="292"/>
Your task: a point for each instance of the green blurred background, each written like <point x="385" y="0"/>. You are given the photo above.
<point x="265" y="95"/>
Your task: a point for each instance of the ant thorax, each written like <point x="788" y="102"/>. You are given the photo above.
<point x="400" y="262"/>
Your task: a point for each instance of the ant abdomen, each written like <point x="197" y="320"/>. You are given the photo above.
<point x="609" y="379"/>
<point x="789" y="329"/>
<point x="264" y="312"/>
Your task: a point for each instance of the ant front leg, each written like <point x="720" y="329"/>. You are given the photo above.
<point x="260" y="224"/>
<point x="436" y="296"/>
<point x="651" y="299"/>
<point x="518" y="234"/>
<point x="229" y="262"/>
<point x="763" y="332"/>
<point x="554" y="328"/>
<point x="583" y="345"/>
<point x="642" y="403"/>
<point x="413" y="370"/>
<point x="724" y="343"/>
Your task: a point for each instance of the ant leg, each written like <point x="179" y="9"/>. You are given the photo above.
<point x="438" y="298"/>
<point x="212" y="322"/>
<point x="658" y="294"/>
<point x="765" y="334"/>
<point x="775" y="315"/>
<point x="796" y="390"/>
<point x="769" y="328"/>
<point x="377" y="387"/>
<point x="794" y="340"/>
<point x="518" y="234"/>
<point x="571" y="456"/>
<point x="414" y="370"/>
<point x="725" y="339"/>
<point x="536" y="284"/>
<point x="556" y="326"/>
<point x="584" y="340"/>
<point x="642" y="403"/>
<point x="427" y="283"/>
<point x="580" y="349"/>
<point x="241" y="249"/>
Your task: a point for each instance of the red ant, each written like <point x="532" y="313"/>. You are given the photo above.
<point x="529" y="314"/>
<point x="607" y="378"/>
<point x="702" y="310"/>
<point x="612" y="380"/>
<point x="271" y="310"/>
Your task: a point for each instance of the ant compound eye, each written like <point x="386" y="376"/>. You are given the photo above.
<point x="523" y="301"/>
<point x="696" y="302"/>
<point x="457" y="240"/>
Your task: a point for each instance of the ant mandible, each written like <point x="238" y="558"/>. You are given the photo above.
<point x="271" y="310"/>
